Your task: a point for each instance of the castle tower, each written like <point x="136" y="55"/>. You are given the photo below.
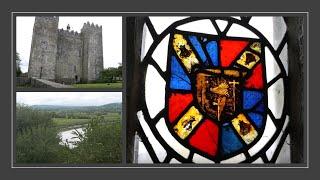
<point x="92" y="51"/>
<point x="43" y="52"/>
<point x="69" y="57"/>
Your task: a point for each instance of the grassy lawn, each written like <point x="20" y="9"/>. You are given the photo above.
<point x="99" y="85"/>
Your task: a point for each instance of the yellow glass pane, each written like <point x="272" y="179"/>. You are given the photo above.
<point x="256" y="46"/>
<point x="184" y="52"/>
<point x="248" y="59"/>
<point x="188" y="122"/>
<point x="244" y="128"/>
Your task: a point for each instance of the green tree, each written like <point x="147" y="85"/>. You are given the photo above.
<point x="36" y="140"/>
<point x="38" y="145"/>
<point x="108" y="75"/>
<point x="100" y="143"/>
<point x="27" y="117"/>
<point x="18" y="64"/>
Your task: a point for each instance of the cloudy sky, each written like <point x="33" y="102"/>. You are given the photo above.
<point x="111" y="34"/>
<point x="69" y="98"/>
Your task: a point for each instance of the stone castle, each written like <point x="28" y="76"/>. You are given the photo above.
<point x="65" y="56"/>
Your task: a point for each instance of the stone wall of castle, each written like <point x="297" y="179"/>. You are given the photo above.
<point x="65" y="56"/>
<point x="69" y="57"/>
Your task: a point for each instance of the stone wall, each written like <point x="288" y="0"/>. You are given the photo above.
<point x="297" y="86"/>
<point x="42" y="83"/>
<point x="69" y="57"/>
<point x="133" y="80"/>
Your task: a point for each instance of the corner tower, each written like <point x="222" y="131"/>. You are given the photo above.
<point x="43" y="52"/>
<point x="92" y="52"/>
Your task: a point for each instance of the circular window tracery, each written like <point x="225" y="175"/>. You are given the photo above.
<point x="215" y="90"/>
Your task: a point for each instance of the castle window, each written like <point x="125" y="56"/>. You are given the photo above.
<point x="213" y="91"/>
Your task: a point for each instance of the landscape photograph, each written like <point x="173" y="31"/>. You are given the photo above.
<point x="68" y="128"/>
<point x="68" y="52"/>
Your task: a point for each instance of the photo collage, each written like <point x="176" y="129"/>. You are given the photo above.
<point x="184" y="89"/>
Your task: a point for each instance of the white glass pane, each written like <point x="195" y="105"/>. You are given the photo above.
<point x="201" y="160"/>
<point x="271" y="65"/>
<point x="285" y="152"/>
<point x="284" y="57"/>
<point x="273" y="147"/>
<point x="171" y="141"/>
<point x="201" y="26"/>
<point x="160" y="23"/>
<point x="236" y="17"/>
<point x="269" y="130"/>
<point x="160" y="54"/>
<point x="235" y="159"/>
<point x="222" y="24"/>
<point x="156" y="146"/>
<point x="142" y="154"/>
<point x="258" y="161"/>
<point x="147" y="41"/>
<point x="154" y="91"/>
<point x="280" y="29"/>
<point x="265" y="25"/>
<point x="237" y="30"/>
<point x="276" y="98"/>
<point x="174" y="161"/>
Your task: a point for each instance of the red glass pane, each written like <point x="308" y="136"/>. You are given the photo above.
<point x="177" y="103"/>
<point x="256" y="79"/>
<point x="229" y="50"/>
<point x="206" y="138"/>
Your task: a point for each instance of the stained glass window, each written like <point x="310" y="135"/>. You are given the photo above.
<point x="214" y="90"/>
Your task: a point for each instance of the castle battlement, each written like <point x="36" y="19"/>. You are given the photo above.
<point x="91" y="27"/>
<point x="71" y="33"/>
<point x="47" y="18"/>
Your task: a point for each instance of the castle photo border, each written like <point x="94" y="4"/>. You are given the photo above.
<point x="124" y="88"/>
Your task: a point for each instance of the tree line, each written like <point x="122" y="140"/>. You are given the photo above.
<point x="110" y="75"/>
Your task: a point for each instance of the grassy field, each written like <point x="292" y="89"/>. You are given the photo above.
<point x="64" y="122"/>
<point x="99" y="85"/>
<point x="67" y="122"/>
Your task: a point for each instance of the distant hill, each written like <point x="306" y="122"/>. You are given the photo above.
<point x="112" y="107"/>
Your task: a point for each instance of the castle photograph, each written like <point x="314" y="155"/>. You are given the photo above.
<point x="66" y="52"/>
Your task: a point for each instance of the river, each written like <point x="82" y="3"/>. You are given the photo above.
<point x="68" y="136"/>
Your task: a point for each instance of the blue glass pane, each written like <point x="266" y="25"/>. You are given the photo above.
<point x="251" y="98"/>
<point x="212" y="49"/>
<point x="179" y="79"/>
<point x="230" y="142"/>
<point x="256" y="118"/>
<point x="260" y="107"/>
<point x="197" y="46"/>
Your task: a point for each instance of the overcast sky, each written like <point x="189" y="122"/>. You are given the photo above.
<point x="69" y="98"/>
<point x="111" y="34"/>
